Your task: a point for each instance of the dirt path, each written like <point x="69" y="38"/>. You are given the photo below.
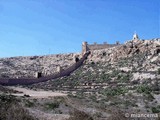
<point x="36" y="94"/>
<point x="36" y="112"/>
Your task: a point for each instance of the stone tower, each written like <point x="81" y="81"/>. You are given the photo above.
<point x="84" y="48"/>
<point x="59" y="69"/>
<point x="135" y="37"/>
<point x="38" y="74"/>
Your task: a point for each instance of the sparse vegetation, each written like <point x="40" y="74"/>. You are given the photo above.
<point x="124" y="79"/>
<point x="11" y="109"/>
<point x="156" y="109"/>
<point x="79" y="115"/>
<point x="144" y="89"/>
<point x="118" y="115"/>
<point x="52" y="105"/>
<point x="114" y="91"/>
<point x="29" y="103"/>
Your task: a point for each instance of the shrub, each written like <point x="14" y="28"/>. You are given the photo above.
<point x="11" y="109"/>
<point x="79" y="95"/>
<point x="93" y="97"/>
<point x="52" y="105"/>
<point x="104" y="77"/>
<point x="114" y="91"/>
<point x="143" y="89"/>
<point x="29" y="104"/>
<point x="70" y="94"/>
<point x="114" y="73"/>
<point x="156" y="109"/>
<point x="124" y="78"/>
<point x="79" y="115"/>
<point x="92" y="63"/>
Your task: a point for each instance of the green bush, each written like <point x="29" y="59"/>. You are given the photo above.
<point x="92" y="63"/>
<point x="114" y="91"/>
<point x="114" y="73"/>
<point x="156" y="109"/>
<point x="79" y="95"/>
<point x="123" y="77"/>
<point x="144" y="89"/>
<point x="104" y="77"/>
<point x="52" y="105"/>
<point x="93" y="97"/>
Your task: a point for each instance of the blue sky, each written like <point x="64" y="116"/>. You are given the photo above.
<point x="40" y="27"/>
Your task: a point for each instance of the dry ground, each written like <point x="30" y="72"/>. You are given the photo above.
<point x="35" y="94"/>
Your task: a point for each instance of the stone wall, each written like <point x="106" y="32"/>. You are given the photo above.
<point x="27" y="67"/>
<point x="25" y="81"/>
<point x="100" y="46"/>
<point x="90" y="47"/>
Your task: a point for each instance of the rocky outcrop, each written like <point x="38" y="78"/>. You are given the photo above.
<point x="150" y="47"/>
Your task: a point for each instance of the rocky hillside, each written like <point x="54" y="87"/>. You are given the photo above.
<point x="15" y="67"/>
<point x="121" y="79"/>
<point x="151" y="48"/>
<point x="125" y="77"/>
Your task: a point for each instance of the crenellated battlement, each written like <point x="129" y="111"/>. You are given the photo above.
<point x="89" y="47"/>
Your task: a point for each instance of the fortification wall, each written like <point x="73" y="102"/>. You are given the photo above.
<point x="87" y="47"/>
<point x="100" y="46"/>
<point x="74" y="66"/>
<point x="27" y="67"/>
<point x="26" y="81"/>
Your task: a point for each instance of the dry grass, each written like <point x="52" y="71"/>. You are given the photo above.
<point x="11" y="109"/>
<point x="118" y="115"/>
<point x="79" y="115"/>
